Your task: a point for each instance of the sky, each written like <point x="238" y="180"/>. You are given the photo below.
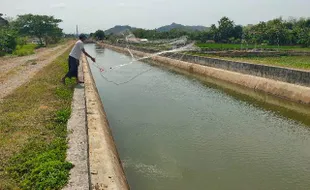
<point x="91" y="15"/>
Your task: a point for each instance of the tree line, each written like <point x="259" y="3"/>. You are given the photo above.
<point x="274" y="32"/>
<point x="18" y="31"/>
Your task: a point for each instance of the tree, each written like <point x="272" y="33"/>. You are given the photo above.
<point x="276" y="32"/>
<point x="257" y="34"/>
<point x="40" y="26"/>
<point x="3" y="21"/>
<point x="237" y="32"/>
<point x="214" y="33"/>
<point x="99" y="34"/>
<point x="140" y="33"/>
<point x="7" y="40"/>
<point x="7" y="37"/>
<point x="225" y="29"/>
<point x="302" y="31"/>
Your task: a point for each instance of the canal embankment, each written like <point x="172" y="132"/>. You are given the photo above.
<point x="285" y="83"/>
<point x="176" y="131"/>
<point x="105" y="167"/>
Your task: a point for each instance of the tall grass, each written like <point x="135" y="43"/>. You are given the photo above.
<point x="22" y="50"/>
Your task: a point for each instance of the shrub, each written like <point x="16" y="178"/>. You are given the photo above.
<point x="41" y="167"/>
<point x="22" y="50"/>
<point x="7" y="40"/>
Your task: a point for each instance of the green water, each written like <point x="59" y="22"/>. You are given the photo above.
<point x="176" y="132"/>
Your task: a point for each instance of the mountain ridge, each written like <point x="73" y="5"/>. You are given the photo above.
<point x="120" y="28"/>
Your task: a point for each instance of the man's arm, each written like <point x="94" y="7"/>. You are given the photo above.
<point x="93" y="59"/>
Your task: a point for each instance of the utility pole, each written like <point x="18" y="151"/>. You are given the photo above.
<point x="77" y="31"/>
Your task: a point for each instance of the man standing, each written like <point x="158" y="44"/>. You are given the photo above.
<point x="74" y="58"/>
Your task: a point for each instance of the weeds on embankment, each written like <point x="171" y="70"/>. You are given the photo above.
<point x="22" y="50"/>
<point x="222" y="46"/>
<point x="297" y="62"/>
<point x="33" y="131"/>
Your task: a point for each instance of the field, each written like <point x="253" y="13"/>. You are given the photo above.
<point x="297" y="62"/>
<point x="217" y="46"/>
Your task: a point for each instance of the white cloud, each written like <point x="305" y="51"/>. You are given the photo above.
<point x="58" y="5"/>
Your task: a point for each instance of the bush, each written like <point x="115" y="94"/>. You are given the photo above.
<point x="21" y="40"/>
<point x="62" y="115"/>
<point x="22" y="50"/>
<point x="7" y="40"/>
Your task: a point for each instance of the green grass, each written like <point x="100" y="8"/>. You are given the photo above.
<point x="33" y="131"/>
<point x="61" y="42"/>
<point x="298" y="62"/>
<point x="219" y="46"/>
<point x="23" y="50"/>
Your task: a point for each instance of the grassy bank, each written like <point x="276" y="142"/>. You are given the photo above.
<point x="219" y="46"/>
<point x="33" y="131"/>
<point x="296" y="62"/>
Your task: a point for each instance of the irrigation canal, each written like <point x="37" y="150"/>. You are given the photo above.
<point x="177" y="131"/>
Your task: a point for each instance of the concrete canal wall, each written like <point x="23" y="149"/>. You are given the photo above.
<point x="106" y="171"/>
<point x="285" y="83"/>
<point x="293" y="76"/>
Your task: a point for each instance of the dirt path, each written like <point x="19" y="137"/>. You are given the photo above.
<point x="18" y="70"/>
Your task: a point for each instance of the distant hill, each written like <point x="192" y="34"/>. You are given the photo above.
<point x="182" y="27"/>
<point x="118" y="29"/>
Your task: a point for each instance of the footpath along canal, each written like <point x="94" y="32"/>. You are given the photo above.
<point x="178" y="131"/>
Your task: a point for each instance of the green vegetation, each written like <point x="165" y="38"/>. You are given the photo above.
<point x="277" y="34"/>
<point x="42" y="27"/>
<point x="33" y="131"/>
<point x="7" y="40"/>
<point x="298" y="62"/>
<point x="274" y="33"/>
<point x="22" y="50"/>
<point x="15" y="34"/>
<point x="99" y="35"/>
<point x="221" y="46"/>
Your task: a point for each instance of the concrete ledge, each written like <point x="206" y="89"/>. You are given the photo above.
<point x="106" y="170"/>
<point x="77" y="152"/>
<point x="293" y="92"/>
<point x="294" y="76"/>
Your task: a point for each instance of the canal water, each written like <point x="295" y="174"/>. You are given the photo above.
<point x="174" y="131"/>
